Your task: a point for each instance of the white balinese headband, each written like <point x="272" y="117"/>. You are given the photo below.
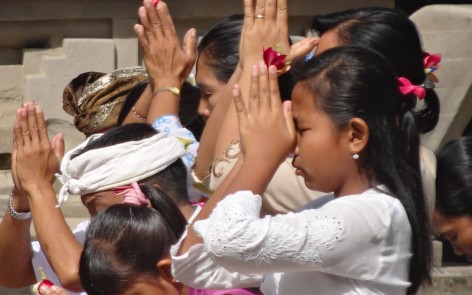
<point x="108" y="167"/>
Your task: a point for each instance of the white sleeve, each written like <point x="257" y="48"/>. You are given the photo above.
<point x="344" y="237"/>
<point x="198" y="270"/>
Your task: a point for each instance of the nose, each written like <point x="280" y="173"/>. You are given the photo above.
<point x="203" y="108"/>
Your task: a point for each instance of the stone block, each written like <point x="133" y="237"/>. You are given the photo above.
<point x="79" y="55"/>
<point x="443" y="17"/>
<point x="32" y="58"/>
<point x="452" y="44"/>
<point x="126" y="43"/>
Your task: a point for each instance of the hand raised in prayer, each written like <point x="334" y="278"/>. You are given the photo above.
<point x="266" y="25"/>
<point x="267" y="129"/>
<point x="35" y="161"/>
<point x="167" y="62"/>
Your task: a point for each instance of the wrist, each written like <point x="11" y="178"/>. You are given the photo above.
<point x="18" y="207"/>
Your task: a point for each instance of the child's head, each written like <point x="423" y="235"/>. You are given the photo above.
<point x="391" y="33"/>
<point x="453" y="214"/>
<point x="354" y="126"/>
<point x="123" y="151"/>
<point x="127" y="247"/>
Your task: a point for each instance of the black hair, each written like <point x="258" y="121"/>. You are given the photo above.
<point x="357" y="82"/>
<point x="454" y="178"/>
<point x="117" y="135"/>
<point x="172" y="179"/>
<point x="131" y="100"/>
<point x="221" y="46"/>
<point x="188" y="107"/>
<point x="391" y="33"/>
<point x="124" y="243"/>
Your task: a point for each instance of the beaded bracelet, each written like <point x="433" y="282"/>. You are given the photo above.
<point x="13" y="213"/>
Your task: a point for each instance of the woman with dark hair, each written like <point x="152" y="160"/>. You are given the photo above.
<point x="218" y="59"/>
<point x="452" y="217"/>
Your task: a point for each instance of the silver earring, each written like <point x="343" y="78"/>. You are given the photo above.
<point x="355" y="156"/>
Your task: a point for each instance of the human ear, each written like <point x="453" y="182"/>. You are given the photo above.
<point x="164" y="268"/>
<point x="358" y="135"/>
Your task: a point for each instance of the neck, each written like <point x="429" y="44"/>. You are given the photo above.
<point x="187" y="210"/>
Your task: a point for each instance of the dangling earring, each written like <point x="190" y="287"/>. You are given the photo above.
<point x="355" y="156"/>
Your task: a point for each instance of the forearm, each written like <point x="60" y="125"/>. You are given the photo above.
<point x="60" y="246"/>
<point x="229" y="127"/>
<point x="215" y="123"/>
<point x="16" y="270"/>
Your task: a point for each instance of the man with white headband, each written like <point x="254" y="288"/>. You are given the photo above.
<point x="122" y="156"/>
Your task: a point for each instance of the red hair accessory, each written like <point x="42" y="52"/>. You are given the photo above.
<point x="431" y="65"/>
<point x="133" y="194"/>
<point x="406" y="87"/>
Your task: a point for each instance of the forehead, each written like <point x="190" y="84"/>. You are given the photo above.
<point x="328" y="40"/>
<point x="303" y="99"/>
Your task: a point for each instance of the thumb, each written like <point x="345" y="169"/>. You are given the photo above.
<point x="58" y="146"/>
<point x="303" y="47"/>
<point x="190" y="46"/>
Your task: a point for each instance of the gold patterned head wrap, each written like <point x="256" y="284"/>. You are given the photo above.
<point x="95" y="99"/>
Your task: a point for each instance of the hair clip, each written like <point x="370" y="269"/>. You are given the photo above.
<point x="406" y="87"/>
<point x="431" y="65"/>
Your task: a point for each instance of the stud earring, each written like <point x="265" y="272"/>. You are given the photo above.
<point x="355" y="156"/>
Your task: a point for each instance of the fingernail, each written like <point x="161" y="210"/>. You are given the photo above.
<point x="61" y="135"/>
<point x="272" y="69"/>
<point x="160" y="4"/>
<point x="235" y="92"/>
<point x="43" y="289"/>
<point x="193" y="32"/>
<point x="147" y="3"/>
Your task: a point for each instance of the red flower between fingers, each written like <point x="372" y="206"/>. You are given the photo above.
<point x="273" y="57"/>
<point x="155" y="2"/>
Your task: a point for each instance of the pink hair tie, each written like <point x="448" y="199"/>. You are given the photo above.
<point x="133" y="194"/>
<point x="406" y="87"/>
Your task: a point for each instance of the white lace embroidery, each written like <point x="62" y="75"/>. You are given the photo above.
<point x="234" y="229"/>
<point x="323" y="235"/>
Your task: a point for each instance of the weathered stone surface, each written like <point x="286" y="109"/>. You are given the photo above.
<point x="447" y="29"/>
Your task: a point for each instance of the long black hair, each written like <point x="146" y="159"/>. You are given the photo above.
<point x="352" y="82"/>
<point x="454" y="178"/>
<point x="391" y="33"/>
<point x="124" y="243"/>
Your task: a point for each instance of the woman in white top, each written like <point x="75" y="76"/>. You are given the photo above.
<point x="353" y="129"/>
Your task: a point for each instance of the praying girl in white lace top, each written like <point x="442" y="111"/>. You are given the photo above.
<point x="350" y="129"/>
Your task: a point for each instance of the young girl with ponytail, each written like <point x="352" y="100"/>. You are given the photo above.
<point x="353" y="133"/>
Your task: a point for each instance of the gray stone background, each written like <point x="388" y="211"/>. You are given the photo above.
<point x="46" y="43"/>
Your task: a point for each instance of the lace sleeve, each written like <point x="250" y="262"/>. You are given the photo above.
<point x="321" y="239"/>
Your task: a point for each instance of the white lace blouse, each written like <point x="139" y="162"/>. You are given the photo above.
<point x="357" y="244"/>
